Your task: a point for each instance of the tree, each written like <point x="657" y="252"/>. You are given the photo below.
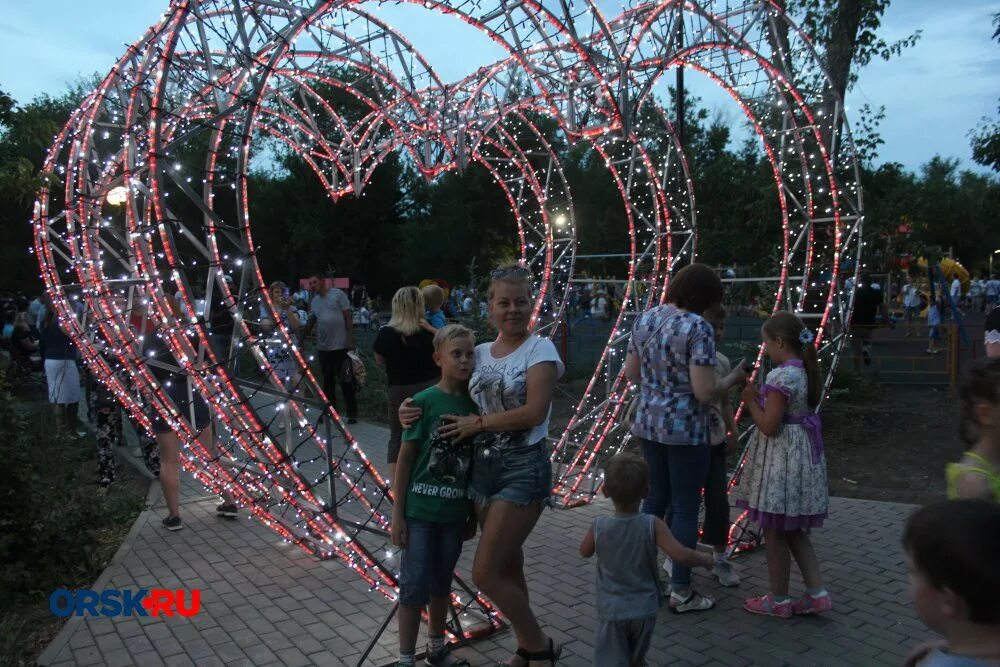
<point x="25" y="136"/>
<point x="985" y="139"/>
<point x="846" y="32"/>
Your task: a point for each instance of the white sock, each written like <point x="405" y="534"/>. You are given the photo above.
<point x="819" y="593"/>
<point x="436" y="644"/>
<point x="720" y="556"/>
<point x="407" y="659"/>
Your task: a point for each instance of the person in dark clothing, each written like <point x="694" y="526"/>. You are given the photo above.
<point x="868" y="303"/>
<point x="405" y="349"/>
<point x="190" y="405"/>
<point x="21" y="336"/>
<point x="106" y="417"/>
<point x="61" y="372"/>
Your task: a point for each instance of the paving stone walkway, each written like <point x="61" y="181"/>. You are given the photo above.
<point x="265" y="602"/>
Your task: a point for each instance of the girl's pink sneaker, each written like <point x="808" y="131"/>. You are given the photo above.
<point x="809" y="605"/>
<point x="766" y="606"/>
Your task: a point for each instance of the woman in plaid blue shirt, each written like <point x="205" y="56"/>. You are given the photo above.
<point x="672" y="357"/>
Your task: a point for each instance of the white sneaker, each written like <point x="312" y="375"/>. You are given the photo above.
<point x="693" y="602"/>
<point x="723" y="571"/>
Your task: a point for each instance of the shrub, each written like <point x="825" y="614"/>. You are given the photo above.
<point x="55" y="530"/>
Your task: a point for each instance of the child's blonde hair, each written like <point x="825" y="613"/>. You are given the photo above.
<point x="433" y="296"/>
<point x="787" y="327"/>
<point x="451" y="332"/>
<point x="21" y="320"/>
<point x="407" y="310"/>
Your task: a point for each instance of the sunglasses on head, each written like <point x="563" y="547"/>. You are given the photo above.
<point x="511" y="272"/>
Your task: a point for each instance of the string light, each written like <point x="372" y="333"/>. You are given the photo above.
<point x="165" y="141"/>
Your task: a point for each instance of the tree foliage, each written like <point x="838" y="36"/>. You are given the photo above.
<point x="26" y="132"/>
<point x="402" y="229"/>
<point x="985" y="139"/>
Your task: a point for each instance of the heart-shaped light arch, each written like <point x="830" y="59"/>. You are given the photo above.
<point x="212" y="76"/>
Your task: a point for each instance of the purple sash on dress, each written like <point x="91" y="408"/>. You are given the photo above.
<point x="814" y="429"/>
<point x="809" y="421"/>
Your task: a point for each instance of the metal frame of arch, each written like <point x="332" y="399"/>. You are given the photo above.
<point x="180" y="116"/>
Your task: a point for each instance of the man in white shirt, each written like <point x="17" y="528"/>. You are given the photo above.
<point x="992" y="290"/>
<point x="956" y="294"/>
<point x="331" y="311"/>
<point x="36" y="311"/>
<point x="976" y="295"/>
<point x="911" y="305"/>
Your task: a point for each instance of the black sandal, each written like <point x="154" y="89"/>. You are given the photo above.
<point x="552" y="654"/>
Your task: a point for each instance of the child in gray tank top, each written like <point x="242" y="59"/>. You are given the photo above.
<point x="628" y="582"/>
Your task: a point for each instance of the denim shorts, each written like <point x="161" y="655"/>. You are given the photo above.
<point x="432" y="550"/>
<point x="178" y="393"/>
<point x="518" y="475"/>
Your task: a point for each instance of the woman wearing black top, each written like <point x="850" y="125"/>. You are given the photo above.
<point x="61" y="372"/>
<point x="405" y="349"/>
<point x="21" y="336"/>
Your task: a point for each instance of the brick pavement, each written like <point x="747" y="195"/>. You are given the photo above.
<point x="265" y="602"/>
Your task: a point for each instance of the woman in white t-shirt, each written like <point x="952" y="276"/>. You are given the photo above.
<point x="511" y="479"/>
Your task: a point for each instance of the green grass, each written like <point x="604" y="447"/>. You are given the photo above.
<point x="56" y="531"/>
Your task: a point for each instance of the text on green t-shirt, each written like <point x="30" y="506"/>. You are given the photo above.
<point x="437" y="489"/>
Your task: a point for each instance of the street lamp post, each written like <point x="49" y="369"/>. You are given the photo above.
<point x="991" y="261"/>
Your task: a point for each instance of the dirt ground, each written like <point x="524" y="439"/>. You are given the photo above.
<point x="891" y="442"/>
<point x="883" y="442"/>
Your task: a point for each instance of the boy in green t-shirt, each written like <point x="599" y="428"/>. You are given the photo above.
<point x="432" y="511"/>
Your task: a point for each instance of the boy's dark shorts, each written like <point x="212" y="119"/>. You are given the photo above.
<point x="178" y="393"/>
<point x="429" y="559"/>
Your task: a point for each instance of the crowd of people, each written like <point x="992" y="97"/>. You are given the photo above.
<point x="922" y="309"/>
<point x="683" y="424"/>
<point x="36" y="343"/>
<point x="468" y="453"/>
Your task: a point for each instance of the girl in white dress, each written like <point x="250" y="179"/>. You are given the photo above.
<point x="782" y="484"/>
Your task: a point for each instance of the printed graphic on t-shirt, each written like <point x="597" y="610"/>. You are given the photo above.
<point x="449" y="460"/>
<point x="497" y="388"/>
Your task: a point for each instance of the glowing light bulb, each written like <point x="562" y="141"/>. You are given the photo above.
<point x="117" y="196"/>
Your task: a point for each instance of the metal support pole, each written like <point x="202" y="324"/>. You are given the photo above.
<point x="327" y="432"/>
<point x="378" y="635"/>
<point x="679" y="124"/>
<point x="953" y="354"/>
